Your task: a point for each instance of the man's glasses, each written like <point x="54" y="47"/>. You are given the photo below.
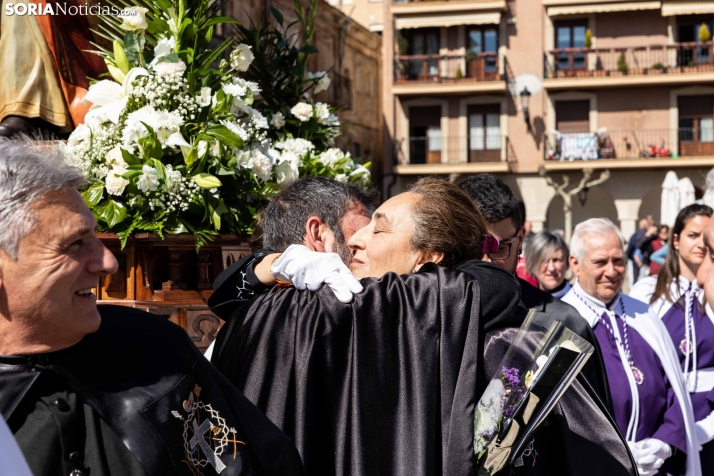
<point x="504" y="248"/>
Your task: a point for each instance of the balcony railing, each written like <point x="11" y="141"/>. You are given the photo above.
<point x="677" y="58"/>
<point x="429" y="69"/>
<point x="459" y="149"/>
<point x="634" y="144"/>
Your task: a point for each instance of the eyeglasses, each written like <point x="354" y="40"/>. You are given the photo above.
<point x="504" y="248"/>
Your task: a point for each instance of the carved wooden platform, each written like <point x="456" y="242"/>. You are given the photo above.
<point x="168" y="278"/>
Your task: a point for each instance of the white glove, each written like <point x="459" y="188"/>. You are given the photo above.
<point x="307" y="269"/>
<point x="705" y="430"/>
<point x="650" y="455"/>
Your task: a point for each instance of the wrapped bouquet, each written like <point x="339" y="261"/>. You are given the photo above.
<point x="178" y="140"/>
<point x="538" y="367"/>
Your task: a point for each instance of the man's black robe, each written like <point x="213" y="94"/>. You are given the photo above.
<point x="387" y="385"/>
<point x="115" y="398"/>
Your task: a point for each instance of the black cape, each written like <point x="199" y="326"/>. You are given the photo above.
<point x="137" y="372"/>
<point x="386" y="385"/>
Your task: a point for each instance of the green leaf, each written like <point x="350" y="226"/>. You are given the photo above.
<point x="219" y="20"/>
<point x="308" y="49"/>
<point x="120" y="57"/>
<point x="225" y="136"/>
<point x="278" y="16"/>
<point x="112" y="213"/>
<point x="165" y="5"/>
<point x="93" y="194"/>
<point x="188" y="30"/>
<point x="131" y="46"/>
<point x="191" y="157"/>
<point x="157" y="27"/>
<point x="205" y="180"/>
<point x="129" y="158"/>
<point x="160" y="173"/>
<point x="170" y="58"/>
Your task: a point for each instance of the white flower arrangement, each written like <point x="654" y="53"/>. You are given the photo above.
<point x="172" y="145"/>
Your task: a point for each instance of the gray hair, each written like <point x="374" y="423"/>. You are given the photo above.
<point x="540" y="249"/>
<point x="593" y="226"/>
<point x="28" y="172"/>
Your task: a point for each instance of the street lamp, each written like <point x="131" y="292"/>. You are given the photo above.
<point x="525" y="100"/>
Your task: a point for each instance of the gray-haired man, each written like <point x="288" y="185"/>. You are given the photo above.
<point x="88" y="390"/>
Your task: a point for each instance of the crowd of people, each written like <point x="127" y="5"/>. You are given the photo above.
<point x="358" y="339"/>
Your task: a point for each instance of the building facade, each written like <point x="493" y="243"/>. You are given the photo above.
<point x="352" y="56"/>
<point x="512" y="87"/>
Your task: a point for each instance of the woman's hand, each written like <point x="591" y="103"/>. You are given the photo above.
<point x="307" y="269"/>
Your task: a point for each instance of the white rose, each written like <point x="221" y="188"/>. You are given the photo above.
<point x="134" y="20"/>
<point x="286" y="172"/>
<point x="170" y="68"/>
<point x="147" y="180"/>
<point x="164" y="47"/>
<point x="302" y="111"/>
<point x="323" y="83"/>
<point x="322" y="113"/>
<point x="205" y="98"/>
<point x="114" y="182"/>
<point x="278" y="120"/>
<point x="242" y="57"/>
<point x="261" y="166"/>
<point x="331" y="156"/>
<point x="115" y="158"/>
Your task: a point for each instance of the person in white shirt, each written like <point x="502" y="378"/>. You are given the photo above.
<point x="652" y="407"/>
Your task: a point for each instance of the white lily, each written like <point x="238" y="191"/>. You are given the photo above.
<point x="109" y="98"/>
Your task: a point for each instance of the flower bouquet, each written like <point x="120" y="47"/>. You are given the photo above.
<point x="177" y="140"/>
<point x="538" y="367"/>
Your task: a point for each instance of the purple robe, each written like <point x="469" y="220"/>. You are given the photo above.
<point x="660" y="414"/>
<point x="702" y="402"/>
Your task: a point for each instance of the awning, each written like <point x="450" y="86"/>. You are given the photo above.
<point x="603" y="8"/>
<point x="670" y="9"/>
<point x="403" y="23"/>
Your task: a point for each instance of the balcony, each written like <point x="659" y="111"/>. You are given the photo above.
<point x="443" y="6"/>
<point x="454" y="154"/>
<point x="418" y="74"/>
<point x="679" y="63"/>
<point x="655" y="148"/>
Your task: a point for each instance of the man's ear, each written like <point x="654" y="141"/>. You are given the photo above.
<point x="574" y="265"/>
<point x="521" y="239"/>
<point x="314" y="228"/>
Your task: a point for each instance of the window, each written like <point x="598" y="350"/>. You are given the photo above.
<point x="696" y="125"/>
<point x="568" y="35"/>
<point x="572" y="117"/>
<point x="688" y="31"/>
<point x="424" y="43"/>
<point x="483" y="40"/>
<point x="484" y="133"/>
<point x="425" y="139"/>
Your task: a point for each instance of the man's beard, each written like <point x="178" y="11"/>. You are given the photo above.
<point x="344" y="251"/>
